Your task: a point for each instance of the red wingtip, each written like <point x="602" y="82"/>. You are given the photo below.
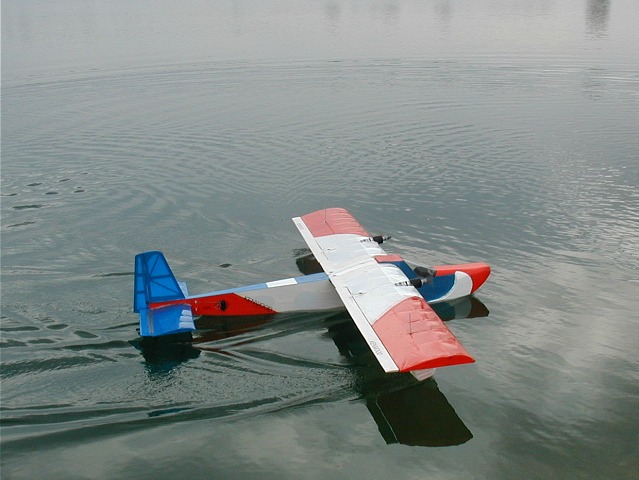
<point x="417" y="339"/>
<point x="333" y="221"/>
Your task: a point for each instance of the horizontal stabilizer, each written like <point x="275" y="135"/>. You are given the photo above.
<point x="166" y="320"/>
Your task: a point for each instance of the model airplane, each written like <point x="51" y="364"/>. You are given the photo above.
<point x="386" y="298"/>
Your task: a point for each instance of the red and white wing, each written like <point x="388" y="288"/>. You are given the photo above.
<point x="401" y="329"/>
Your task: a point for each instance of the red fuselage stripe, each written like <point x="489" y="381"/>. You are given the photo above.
<point x="226" y="304"/>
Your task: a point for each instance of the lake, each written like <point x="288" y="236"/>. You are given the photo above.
<point x="501" y="131"/>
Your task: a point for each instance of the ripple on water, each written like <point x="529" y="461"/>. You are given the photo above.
<point x="468" y="159"/>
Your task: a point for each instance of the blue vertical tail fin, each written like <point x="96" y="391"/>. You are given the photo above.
<point x="154" y="282"/>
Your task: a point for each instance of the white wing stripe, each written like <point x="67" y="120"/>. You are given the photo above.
<point x="365" y="328"/>
<point x="338" y="280"/>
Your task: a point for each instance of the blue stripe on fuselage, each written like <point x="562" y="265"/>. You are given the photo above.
<point x="435" y="288"/>
<point x="316" y="277"/>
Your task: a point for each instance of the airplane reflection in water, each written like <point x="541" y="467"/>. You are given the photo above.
<point x="406" y="411"/>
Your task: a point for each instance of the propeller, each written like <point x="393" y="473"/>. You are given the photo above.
<point x="424" y="275"/>
<point x="377" y="238"/>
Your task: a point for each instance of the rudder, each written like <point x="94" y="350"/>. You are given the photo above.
<point x="154" y="282"/>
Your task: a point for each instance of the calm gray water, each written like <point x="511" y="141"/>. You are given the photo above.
<point x="501" y="131"/>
